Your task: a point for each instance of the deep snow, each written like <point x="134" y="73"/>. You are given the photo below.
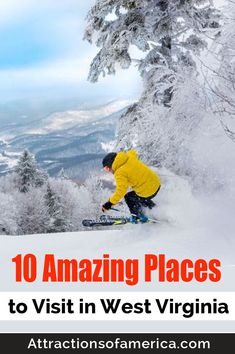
<point x="198" y="227"/>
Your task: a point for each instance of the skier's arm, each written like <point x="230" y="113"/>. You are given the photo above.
<point x="121" y="189"/>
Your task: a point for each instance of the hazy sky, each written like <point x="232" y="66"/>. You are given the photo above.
<point x="42" y="52"/>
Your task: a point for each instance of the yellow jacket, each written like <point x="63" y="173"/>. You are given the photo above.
<point x="129" y="171"/>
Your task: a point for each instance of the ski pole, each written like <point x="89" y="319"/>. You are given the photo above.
<point x="116" y="210"/>
<point x="121" y="211"/>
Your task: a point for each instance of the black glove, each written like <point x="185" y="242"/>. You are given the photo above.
<point x="108" y="205"/>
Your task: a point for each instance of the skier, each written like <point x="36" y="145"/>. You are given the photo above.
<point x="129" y="171"/>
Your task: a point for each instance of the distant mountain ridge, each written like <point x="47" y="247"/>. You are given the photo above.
<point x="72" y="140"/>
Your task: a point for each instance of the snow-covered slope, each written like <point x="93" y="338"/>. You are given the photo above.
<point x="198" y="227"/>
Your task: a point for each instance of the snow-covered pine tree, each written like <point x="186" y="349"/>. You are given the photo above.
<point x="33" y="214"/>
<point x="8" y="214"/>
<point x="29" y="173"/>
<point x="223" y="76"/>
<point x="168" y="32"/>
<point x="55" y="210"/>
<point x="62" y="174"/>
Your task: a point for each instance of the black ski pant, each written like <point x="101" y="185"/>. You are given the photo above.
<point x="135" y="203"/>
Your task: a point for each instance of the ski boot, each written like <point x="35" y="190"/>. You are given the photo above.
<point x="135" y="219"/>
<point x="143" y="218"/>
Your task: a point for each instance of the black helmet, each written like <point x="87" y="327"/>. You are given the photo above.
<point x="108" y="159"/>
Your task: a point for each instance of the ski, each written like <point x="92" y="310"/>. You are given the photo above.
<point x="110" y="221"/>
<point x="105" y="221"/>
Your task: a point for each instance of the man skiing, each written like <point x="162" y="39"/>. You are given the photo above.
<point x="130" y="172"/>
